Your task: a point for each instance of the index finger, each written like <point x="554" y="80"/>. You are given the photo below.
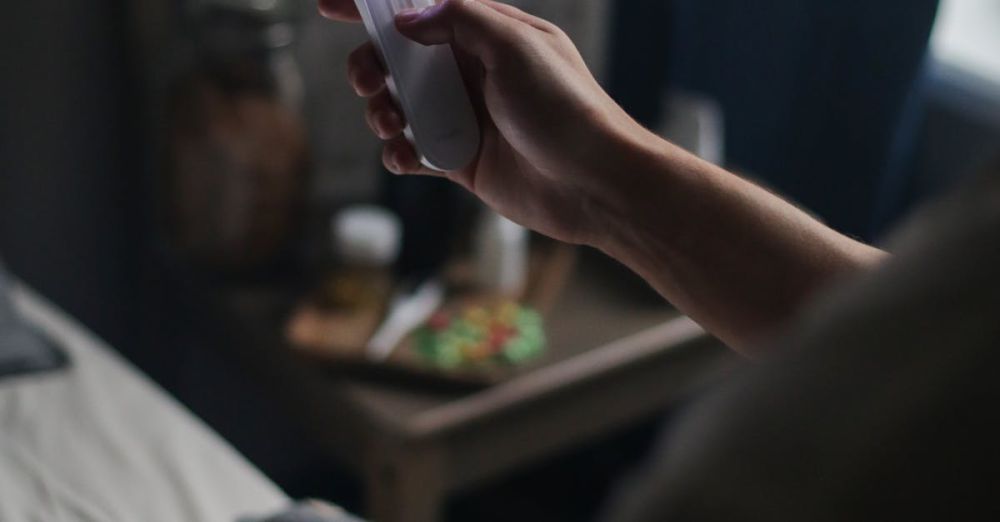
<point x="342" y="10"/>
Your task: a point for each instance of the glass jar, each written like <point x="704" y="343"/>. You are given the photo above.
<point x="237" y="152"/>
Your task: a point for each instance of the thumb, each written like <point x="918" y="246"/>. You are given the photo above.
<point x="469" y="25"/>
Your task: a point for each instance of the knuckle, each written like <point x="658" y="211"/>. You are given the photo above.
<point x="371" y="111"/>
<point x="379" y="103"/>
<point x="549" y="27"/>
<point x="559" y="35"/>
<point x="363" y="58"/>
<point x="354" y="58"/>
<point x="451" y="8"/>
<point x="511" y="43"/>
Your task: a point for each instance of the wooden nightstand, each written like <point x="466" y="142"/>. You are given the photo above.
<point x="614" y="359"/>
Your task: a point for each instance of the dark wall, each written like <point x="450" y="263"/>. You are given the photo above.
<point x="818" y="94"/>
<point x="640" y="49"/>
<point x="67" y="196"/>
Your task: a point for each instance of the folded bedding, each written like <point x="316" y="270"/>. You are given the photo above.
<point x="97" y="440"/>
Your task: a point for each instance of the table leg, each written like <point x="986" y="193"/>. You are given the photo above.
<point x="406" y="486"/>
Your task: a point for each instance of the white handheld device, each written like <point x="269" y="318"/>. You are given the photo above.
<point x="427" y="86"/>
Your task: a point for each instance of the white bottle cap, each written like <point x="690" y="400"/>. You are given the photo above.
<point x="367" y="235"/>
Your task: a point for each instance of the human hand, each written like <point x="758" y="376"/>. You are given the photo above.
<point x="553" y="142"/>
<point x="560" y="157"/>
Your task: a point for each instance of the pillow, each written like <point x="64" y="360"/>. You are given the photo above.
<point x="23" y="350"/>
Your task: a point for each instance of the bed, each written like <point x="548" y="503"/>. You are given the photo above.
<point x="96" y="440"/>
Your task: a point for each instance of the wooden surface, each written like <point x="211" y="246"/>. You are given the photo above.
<point x="593" y="311"/>
<point x="617" y="356"/>
<point x="339" y="337"/>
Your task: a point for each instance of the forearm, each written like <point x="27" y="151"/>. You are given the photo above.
<point x="734" y="257"/>
<point x="560" y="156"/>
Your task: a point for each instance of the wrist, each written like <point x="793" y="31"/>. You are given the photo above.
<point x="634" y="191"/>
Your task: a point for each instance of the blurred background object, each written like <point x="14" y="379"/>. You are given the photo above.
<point x="23" y="349"/>
<point x="236" y="147"/>
<point x="961" y="130"/>
<point x="501" y="254"/>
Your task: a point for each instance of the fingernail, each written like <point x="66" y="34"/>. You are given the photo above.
<point x="408" y="16"/>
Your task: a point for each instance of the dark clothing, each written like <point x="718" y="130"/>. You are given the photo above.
<point x="882" y="403"/>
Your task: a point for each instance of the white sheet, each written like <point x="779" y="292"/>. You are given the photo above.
<point x="100" y="442"/>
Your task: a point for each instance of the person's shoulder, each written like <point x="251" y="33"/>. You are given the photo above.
<point x="973" y="208"/>
<point x="873" y="396"/>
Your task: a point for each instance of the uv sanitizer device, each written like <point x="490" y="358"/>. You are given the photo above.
<point x="427" y="85"/>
